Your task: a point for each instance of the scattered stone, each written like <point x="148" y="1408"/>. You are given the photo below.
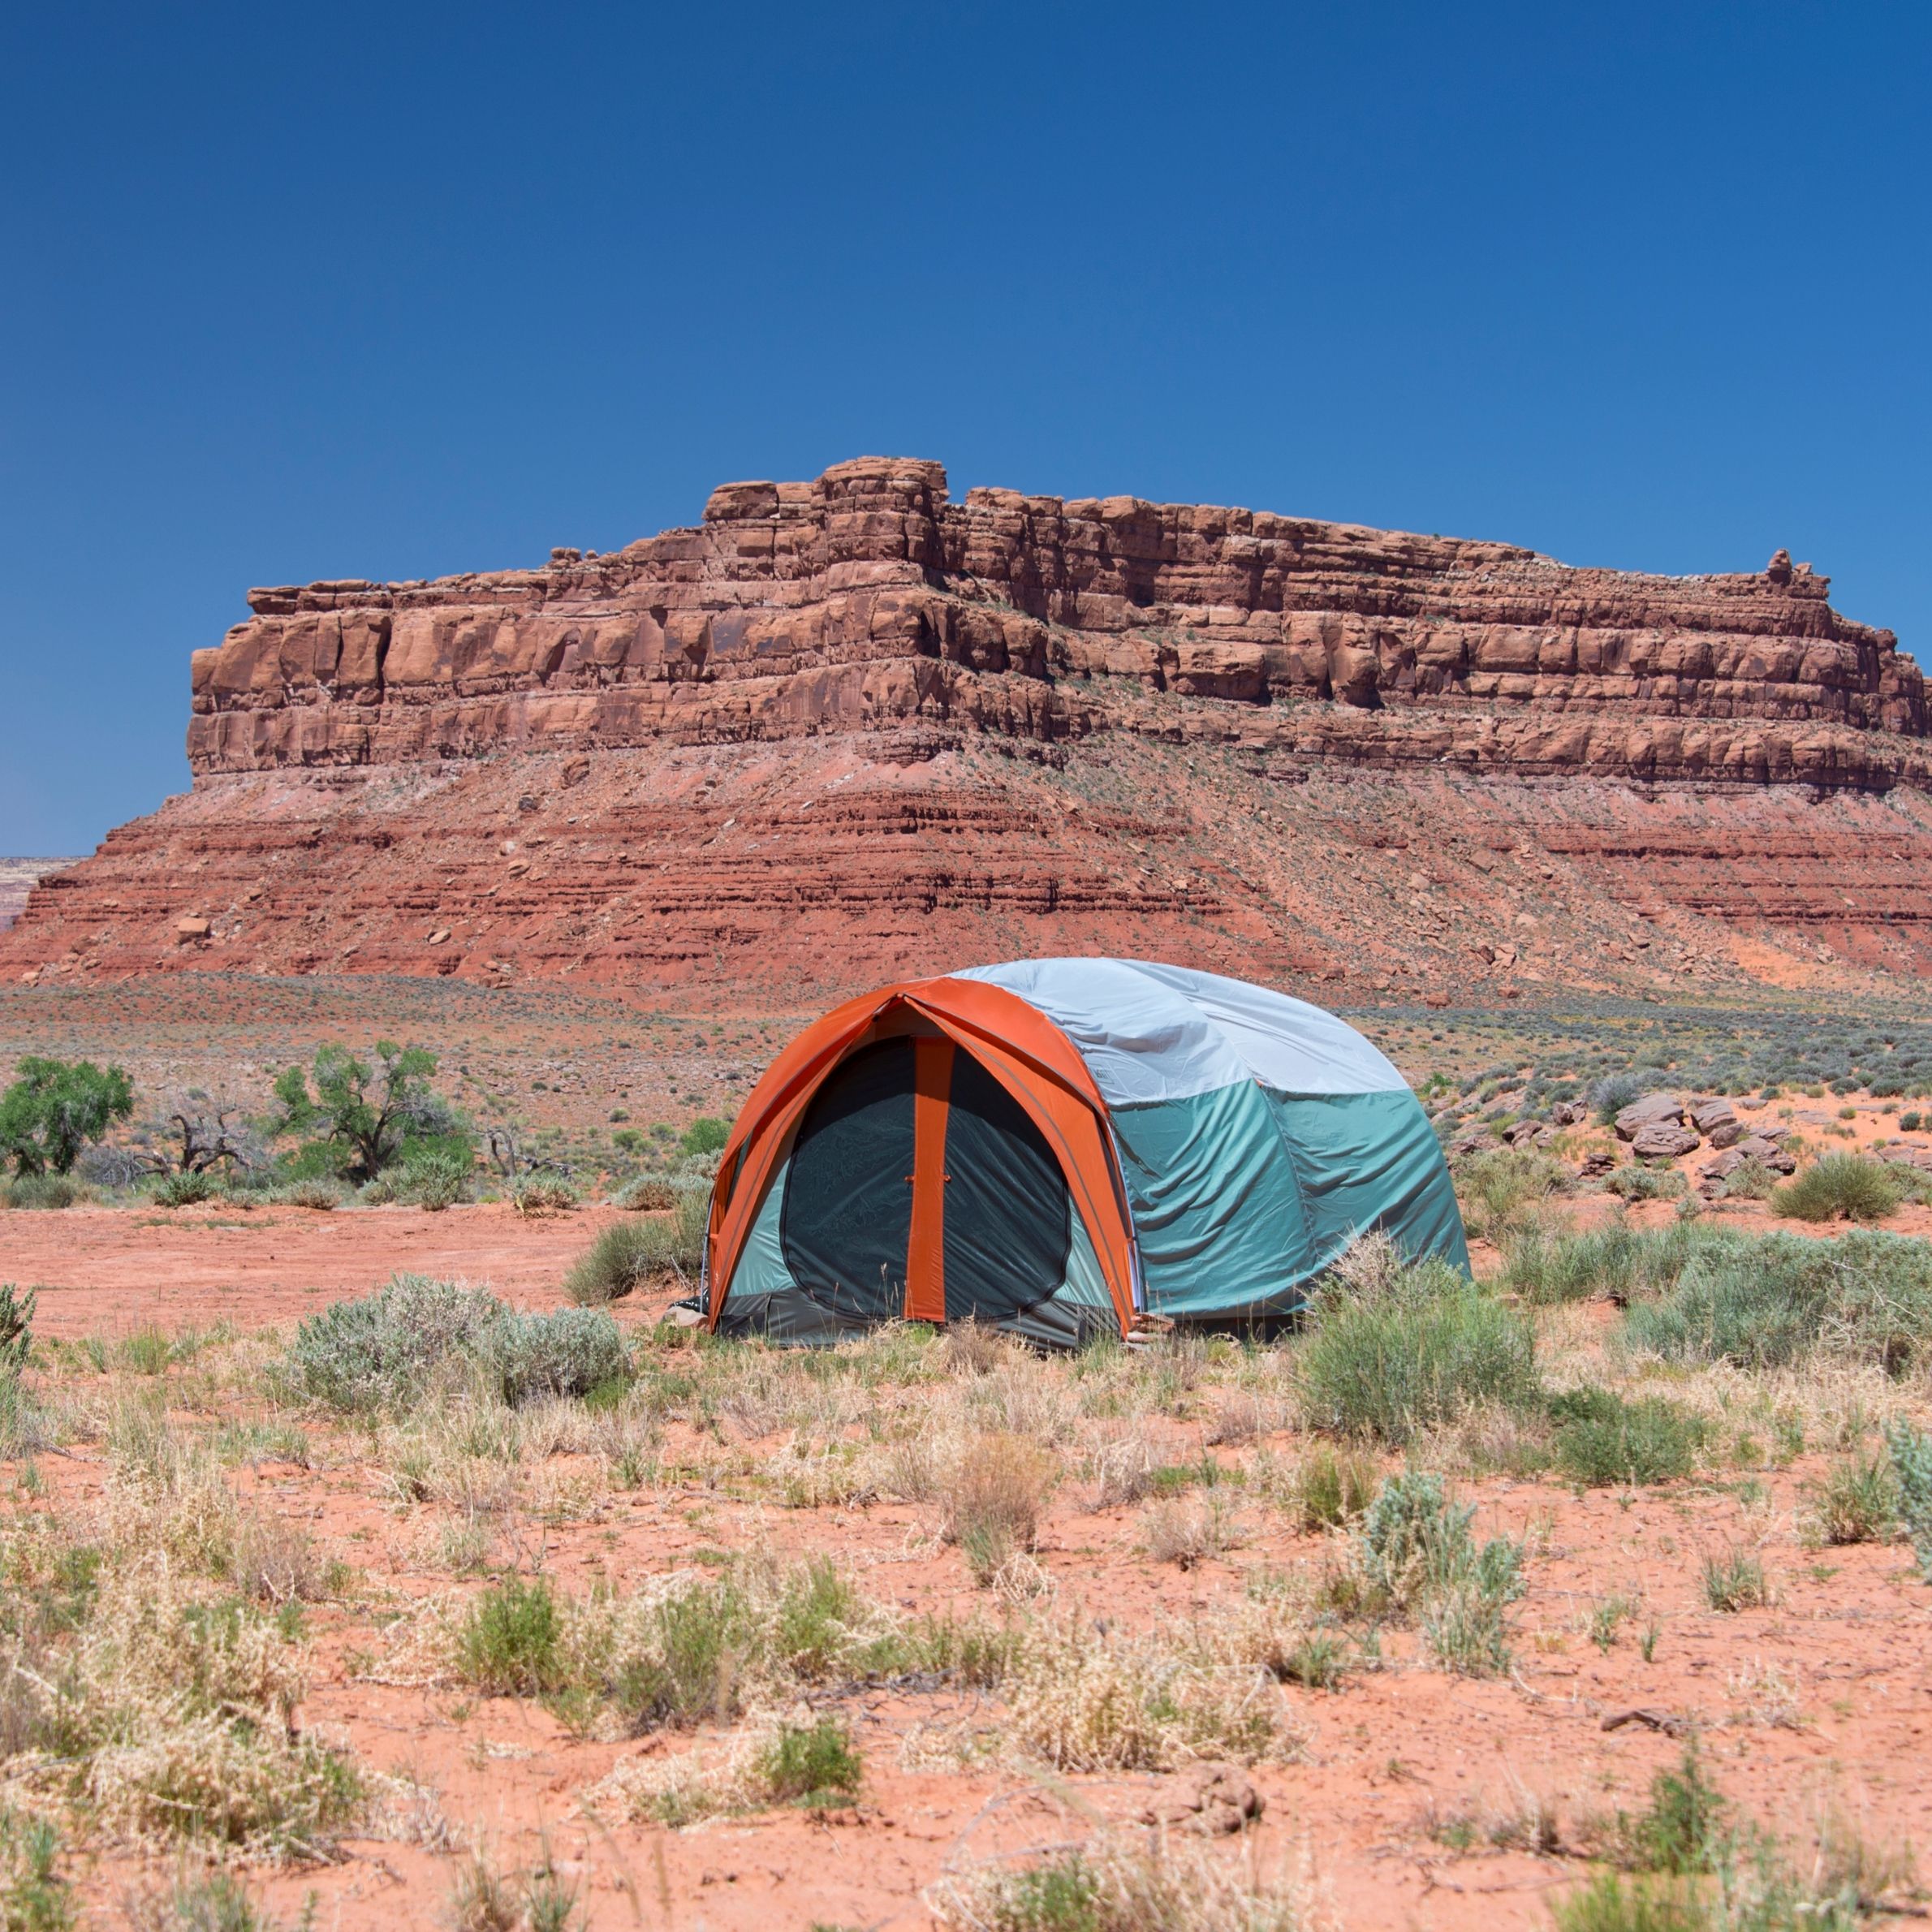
<point x="1727" y="1133"/>
<point x="1660" y="1141"/>
<point x="1214" y="1798"/>
<point x="1595" y="1166"/>
<point x="189" y="932"/>
<point x="1653" y="1109"/>
<point x="1707" y="1116"/>
<point x="440" y="937"/>
<point x="1759" y="1147"/>
<point x="1570" y="1113"/>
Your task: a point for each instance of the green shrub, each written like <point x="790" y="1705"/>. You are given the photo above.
<point x="567" y="1353"/>
<point x="706" y="1135"/>
<point x="536" y="1195"/>
<point x="509" y="1642"/>
<point x="1413" y="1547"/>
<point x="186" y="1190"/>
<point x="813" y="1765"/>
<point x="1766" y="1302"/>
<point x="41" y="1190"/>
<point x="1612" y="1903"/>
<point x="1636" y="1181"/>
<point x="1408" y="1351"/>
<point x="646" y="1193"/>
<point x="16" y="1328"/>
<point x="1751" y="1181"/>
<point x="1910" y="1122"/>
<point x="1331" y="1488"/>
<point x="1840" y="1187"/>
<point x="1911" y="1452"/>
<point x="1602" y="1438"/>
<point x="1616" y="1091"/>
<point x="379" y="1352"/>
<point x="433" y="1181"/>
<point x="1684" y="1828"/>
<point x="317" y="1194"/>
<point x="630" y="1254"/>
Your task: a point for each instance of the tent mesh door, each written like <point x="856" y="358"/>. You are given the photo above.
<point x="1009" y="1220"/>
<point x="849" y="1207"/>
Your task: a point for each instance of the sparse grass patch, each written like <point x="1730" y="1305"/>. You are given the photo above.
<point x="1400" y="1347"/>
<point x="629" y="1254"/>
<point x="1331" y="1487"/>
<point x="1735" y="1581"/>
<point x="813" y="1765"/>
<point x="1857" y="1501"/>
<point x="1497" y="1188"/>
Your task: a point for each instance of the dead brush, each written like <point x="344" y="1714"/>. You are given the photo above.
<point x="1238" y="1420"/>
<point x="1188" y="1530"/>
<point x="1022" y="1397"/>
<point x="973" y="1348"/>
<point x="1082" y="1698"/>
<point x="275" y="1561"/>
<point x="1122" y="1469"/>
<point x="998" y="1490"/>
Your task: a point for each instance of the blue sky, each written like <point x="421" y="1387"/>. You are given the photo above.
<point x="391" y="291"/>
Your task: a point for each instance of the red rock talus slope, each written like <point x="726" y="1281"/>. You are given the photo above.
<point x="847" y="726"/>
<point x="16" y="880"/>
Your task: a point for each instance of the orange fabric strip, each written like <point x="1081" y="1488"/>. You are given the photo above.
<point x="925" y="1247"/>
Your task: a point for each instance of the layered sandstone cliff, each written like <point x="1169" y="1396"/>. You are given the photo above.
<point x="867" y="597"/>
<point x="849" y="728"/>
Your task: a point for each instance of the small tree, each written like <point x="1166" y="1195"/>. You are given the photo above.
<point x="370" y="1111"/>
<point x="55" y="1108"/>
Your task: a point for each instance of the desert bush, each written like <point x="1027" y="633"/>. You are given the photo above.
<point x="381" y="1351"/>
<point x="1611" y="1095"/>
<point x="1495" y="1188"/>
<point x="814" y="1765"/>
<point x="1127" y="1882"/>
<point x="998" y="1489"/>
<point x="1911" y="1453"/>
<point x="1839" y="1187"/>
<point x="1408" y="1346"/>
<point x="1413" y="1549"/>
<point x="1187" y="1530"/>
<point x="186" y="1190"/>
<point x="1766" y="1301"/>
<point x="41" y="1190"/>
<point x="16" y="1327"/>
<point x="434" y="1181"/>
<point x="706" y="1135"/>
<point x="1331" y="1488"/>
<point x="645" y="1193"/>
<point x="569" y="1352"/>
<point x="322" y="1195"/>
<point x="510" y="1641"/>
<point x="630" y="1254"/>
<point x="1600" y="1437"/>
<point x="1751" y="1181"/>
<point x="1636" y="1181"/>
<point x="536" y="1196"/>
<point x="1857" y="1501"/>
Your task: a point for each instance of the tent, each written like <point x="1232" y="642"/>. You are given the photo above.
<point x="1060" y="1148"/>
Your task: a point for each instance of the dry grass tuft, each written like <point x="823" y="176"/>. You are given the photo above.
<point x="996" y="1493"/>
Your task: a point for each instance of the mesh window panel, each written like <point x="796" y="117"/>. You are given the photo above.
<point x="1009" y="1222"/>
<point x="848" y="1208"/>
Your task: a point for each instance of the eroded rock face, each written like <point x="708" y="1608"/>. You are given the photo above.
<point x="848" y="730"/>
<point x="867" y="598"/>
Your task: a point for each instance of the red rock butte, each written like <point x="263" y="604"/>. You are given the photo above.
<point x="847" y="727"/>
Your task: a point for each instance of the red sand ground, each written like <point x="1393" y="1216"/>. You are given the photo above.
<point x="1390" y="1760"/>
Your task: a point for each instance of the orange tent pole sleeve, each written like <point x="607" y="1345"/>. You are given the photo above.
<point x="926" y="1246"/>
<point x="1073" y="1131"/>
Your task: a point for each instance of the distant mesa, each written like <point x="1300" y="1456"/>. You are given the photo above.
<point x="848" y="725"/>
